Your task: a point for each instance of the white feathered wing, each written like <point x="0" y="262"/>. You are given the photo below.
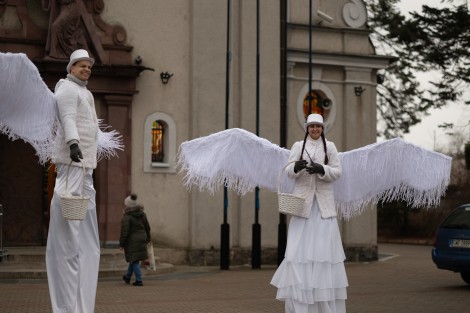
<point x="389" y="170"/>
<point x="234" y="157"/>
<point x="27" y="106"/>
<point x="28" y="109"/>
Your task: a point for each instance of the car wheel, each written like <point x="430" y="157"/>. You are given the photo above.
<point x="466" y="277"/>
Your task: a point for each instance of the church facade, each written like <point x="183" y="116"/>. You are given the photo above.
<point x="160" y="79"/>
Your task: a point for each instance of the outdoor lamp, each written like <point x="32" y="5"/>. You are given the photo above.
<point x="359" y="90"/>
<point x="165" y="76"/>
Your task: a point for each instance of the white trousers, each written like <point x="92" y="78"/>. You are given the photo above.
<point x="73" y="248"/>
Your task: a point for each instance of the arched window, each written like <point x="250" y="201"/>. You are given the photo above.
<point x="316" y="106"/>
<point x="158" y="147"/>
<point x="159" y="143"/>
<point x="323" y="102"/>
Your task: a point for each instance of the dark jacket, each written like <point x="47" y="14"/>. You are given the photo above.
<point x="135" y="234"/>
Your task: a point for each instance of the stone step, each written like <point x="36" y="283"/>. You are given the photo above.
<point x="29" y="263"/>
<point x="37" y="254"/>
<point x="26" y="258"/>
<point x="38" y="271"/>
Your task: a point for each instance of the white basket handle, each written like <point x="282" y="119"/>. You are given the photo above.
<point x="67" y="178"/>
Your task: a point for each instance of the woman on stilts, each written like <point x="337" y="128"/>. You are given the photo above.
<point x="312" y="277"/>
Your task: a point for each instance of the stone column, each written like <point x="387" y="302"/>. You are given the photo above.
<point x="360" y="233"/>
<point x="113" y="176"/>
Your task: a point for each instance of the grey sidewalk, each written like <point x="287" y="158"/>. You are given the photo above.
<point x="405" y="280"/>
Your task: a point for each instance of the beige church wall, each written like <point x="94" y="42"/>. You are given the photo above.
<point x="188" y="39"/>
<point x="360" y="235"/>
<point x="354" y="43"/>
<point x="348" y="41"/>
<point x="268" y="219"/>
<point x="328" y="79"/>
<point x="353" y="127"/>
<point x="242" y="110"/>
<point x="338" y="10"/>
<point x="207" y="114"/>
<point x="354" y="117"/>
<point x="269" y="117"/>
<point x="338" y="35"/>
<point x="360" y="116"/>
<point x="159" y="31"/>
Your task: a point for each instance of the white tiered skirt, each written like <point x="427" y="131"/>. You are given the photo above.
<point x="312" y="277"/>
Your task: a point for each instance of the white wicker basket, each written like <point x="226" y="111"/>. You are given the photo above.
<point x="74" y="207"/>
<point x="289" y="203"/>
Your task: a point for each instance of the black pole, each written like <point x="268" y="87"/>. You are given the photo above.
<point x="1" y="232"/>
<point x="256" y="239"/>
<point x="310" y="95"/>
<point x="225" y="227"/>
<point x="282" y="226"/>
<point x="225" y="237"/>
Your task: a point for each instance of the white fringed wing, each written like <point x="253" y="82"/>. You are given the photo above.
<point x="389" y="170"/>
<point x="234" y="157"/>
<point x="28" y="109"/>
<point x="108" y="142"/>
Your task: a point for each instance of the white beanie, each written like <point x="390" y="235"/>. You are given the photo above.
<point x="131" y="201"/>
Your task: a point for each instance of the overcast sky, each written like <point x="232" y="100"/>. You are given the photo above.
<point x="427" y="134"/>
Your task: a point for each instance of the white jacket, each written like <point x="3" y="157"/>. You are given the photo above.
<point x="78" y="122"/>
<point x="317" y="185"/>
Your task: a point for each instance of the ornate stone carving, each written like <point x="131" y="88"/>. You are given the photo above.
<point x="111" y="34"/>
<point x="98" y="6"/>
<point x="66" y="32"/>
<point x="355" y="13"/>
<point x="15" y="21"/>
<point x="3" y="8"/>
<point x="71" y="24"/>
<point x="75" y="24"/>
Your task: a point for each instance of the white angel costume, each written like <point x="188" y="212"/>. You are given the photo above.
<point x="73" y="247"/>
<point x="312" y="277"/>
<point x="29" y="111"/>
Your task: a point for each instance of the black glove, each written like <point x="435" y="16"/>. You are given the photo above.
<point x="315" y="168"/>
<point x="75" y="153"/>
<point x="300" y="165"/>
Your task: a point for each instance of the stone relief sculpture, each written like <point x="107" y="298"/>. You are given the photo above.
<point x="71" y="25"/>
<point x="66" y="32"/>
<point x="355" y="13"/>
<point x="2" y="8"/>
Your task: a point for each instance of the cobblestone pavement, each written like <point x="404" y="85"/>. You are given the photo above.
<point x="405" y="280"/>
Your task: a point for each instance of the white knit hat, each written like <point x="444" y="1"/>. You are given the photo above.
<point x="314" y="119"/>
<point x="131" y="201"/>
<point x="79" y="55"/>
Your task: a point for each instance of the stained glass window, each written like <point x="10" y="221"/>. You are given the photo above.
<point x="158" y="152"/>
<point x="316" y="104"/>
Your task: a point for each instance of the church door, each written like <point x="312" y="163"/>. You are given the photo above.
<point x="22" y="194"/>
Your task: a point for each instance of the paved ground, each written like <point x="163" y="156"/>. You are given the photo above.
<point x="405" y="280"/>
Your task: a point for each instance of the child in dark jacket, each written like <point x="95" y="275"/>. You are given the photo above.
<point x="135" y="236"/>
